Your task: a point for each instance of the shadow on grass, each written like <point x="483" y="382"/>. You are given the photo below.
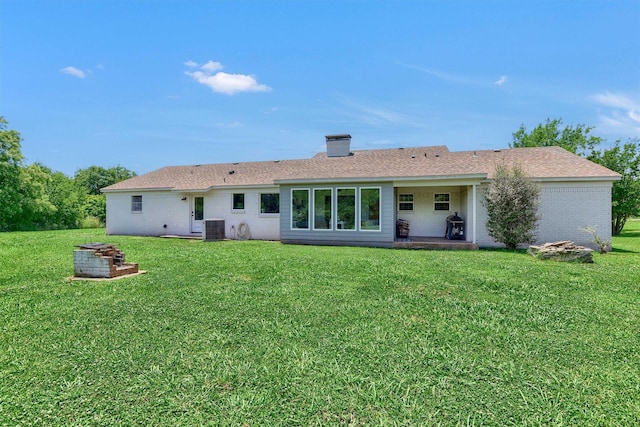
<point x="520" y="251"/>
<point x="623" y="251"/>
<point x="628" y="234"/>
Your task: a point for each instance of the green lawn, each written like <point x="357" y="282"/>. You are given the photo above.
<point x="259" y="333"/>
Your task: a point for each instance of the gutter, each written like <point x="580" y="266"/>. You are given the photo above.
<point x="129" y="190"/>
<point x="380" y="179"/>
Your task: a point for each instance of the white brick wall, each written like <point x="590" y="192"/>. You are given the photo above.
<point x="88" y="263"/>
<point x="565" y="208"/>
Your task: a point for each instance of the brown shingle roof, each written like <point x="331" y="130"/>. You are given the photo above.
<point x="417" y="162"/>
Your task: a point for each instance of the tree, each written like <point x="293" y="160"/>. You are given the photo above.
<point x="93" y="178"/>
<point x="575" y="139"/>
<point x="35" y="206"/>
<point x="625" y="194"/>
<point x="65" y="196"/>
<point x="512" y="201"/>
<point x="10" y="166"/>
<point x="23" y="199"/>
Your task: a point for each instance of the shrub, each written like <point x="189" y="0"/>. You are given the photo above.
<point x="91" y="222"/>
<point x="512" y="201"/>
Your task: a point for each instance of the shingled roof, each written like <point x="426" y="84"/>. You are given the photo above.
<point x="434" y="162"/>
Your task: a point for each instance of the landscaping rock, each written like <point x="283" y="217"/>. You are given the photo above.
<point x="565" y="250"/>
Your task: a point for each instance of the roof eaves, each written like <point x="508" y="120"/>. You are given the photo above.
<point x="128" y="190"/>
<point x="580" y="178"/>
<point x="380" y="179"/>
<point x="240" y="186"/>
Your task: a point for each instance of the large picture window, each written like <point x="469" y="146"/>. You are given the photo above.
<point x="441" y="201"/>
<point x="346" y="208"/>
<point x="370" y="209"/>
<point x="136" y="203"/>
<point x="269" y="203"/>
<point x="300" y="209"/>
<point x="322" y="209"/>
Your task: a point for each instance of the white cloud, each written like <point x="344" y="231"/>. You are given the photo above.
<point x="212" y="66"/>
<point x="191" y="64"/>
<point x="222" y="82"/>
<point x="73" y="71"/>
<point x="502" y="80"/>
<point x="616" y="101"/>
<point x="622" y="115"/>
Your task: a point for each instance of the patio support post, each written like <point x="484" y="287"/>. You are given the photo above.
<point x="473" y="214"/>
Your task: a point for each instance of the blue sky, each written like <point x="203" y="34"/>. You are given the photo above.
<point x="145" y="84"/>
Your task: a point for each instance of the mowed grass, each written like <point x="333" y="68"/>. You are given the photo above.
<point x="259" y="333"/>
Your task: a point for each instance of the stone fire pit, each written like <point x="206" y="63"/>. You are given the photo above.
<point x="101" y="260"/>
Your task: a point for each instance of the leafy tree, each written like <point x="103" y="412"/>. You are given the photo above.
<point x="10" y="166"/>
<point x="575" y="139"/>
<point x="34" y="197"/>
<point x="95" y="206"/>
<point x="35" y="206"/>
<point x="624" y="159"/>
<point x="65" y="196"/>
<point x="23" y="196"/>
<point x="93" y="178"/>
<point x="512" y="201"/>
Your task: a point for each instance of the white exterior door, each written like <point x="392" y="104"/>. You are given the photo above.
<point x="197" y="213"/>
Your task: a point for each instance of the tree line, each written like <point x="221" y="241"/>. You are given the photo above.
<point x="34" y="197"/>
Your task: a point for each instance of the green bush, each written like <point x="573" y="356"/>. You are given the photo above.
<point x="91" y="222"/>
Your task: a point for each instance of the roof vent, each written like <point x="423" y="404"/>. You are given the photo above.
<point x="338" y="145"/>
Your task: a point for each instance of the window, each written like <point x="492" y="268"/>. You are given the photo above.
<point x="441" y="201"/>
<point x="198" y="208"/>
<point x="322" y="209"/>
<point x="136" y="203"/>
<point x="346" y="208"/>
<point x="405" y="202"/>
<point x="300" y="209"/>
<point x="269" y="203"/>
<point x="238" y="201"/>
<point x="370" y="209"/>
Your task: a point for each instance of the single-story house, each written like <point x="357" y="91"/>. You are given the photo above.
<point x="345" y="197"/>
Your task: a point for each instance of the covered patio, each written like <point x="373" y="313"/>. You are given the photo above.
<point x="424" y="242"/>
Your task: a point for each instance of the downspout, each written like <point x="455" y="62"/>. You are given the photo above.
<point x="473" y="215"/>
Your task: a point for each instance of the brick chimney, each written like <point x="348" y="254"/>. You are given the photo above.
<point x="338" y="145"/>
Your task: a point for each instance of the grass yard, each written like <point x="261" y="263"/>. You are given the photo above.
<point x="263" y="334"/>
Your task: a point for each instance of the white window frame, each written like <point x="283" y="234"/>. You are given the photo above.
<point x="435" y="202"/>
<point x="364" y="230"/>
<point x="401" y="202"/>
<point x="269" y="213"/>
<point x="136" y="206"/>
<point x="355" y="208"/>
<point x="309" y="209"/>
<point x="313" y="209"/>
<point x="244" y="203"/>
